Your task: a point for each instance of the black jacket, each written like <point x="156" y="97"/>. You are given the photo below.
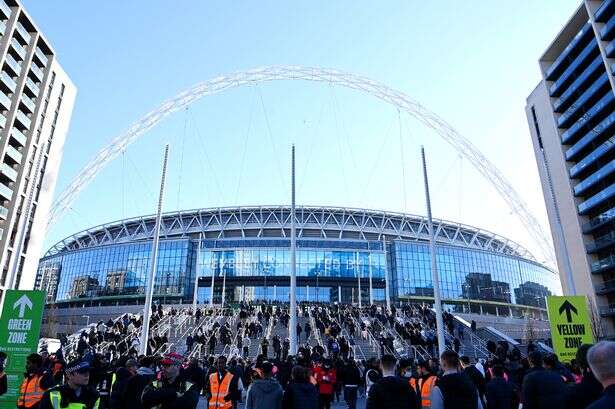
<point x="88" y="396"/>
<point x="300" y="396"/>
<point x="134" y="388"/>
<point x="543" y="389"/>
<point x="581" y="395"/>
<point x="500" y="394"/>
<point x="176" y="395"/>
<point x="391" y="392"/>
<point x="350" y="375"/>
<point x="477" y="379"/>
<point x="607" y="401"/>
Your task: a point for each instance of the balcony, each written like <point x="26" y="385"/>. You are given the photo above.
<point x="28" y="103"/>
<point x="23" y="118"/>
<point x="605" y="288"/>
<point x="595" y="67"/>
<point x="5" y="101"/>
<point x="564" y="56"/>
<point x="8" y="171"/>
<point x="606" y="170"/>
<point x="2" y="27"/>
<point x="14" y="65"/>
<point x="5" y="191"/>
<point x="604" y="11"/>
<point x="603" y="265"/>
<point x="19" y="136"/>
<point x="8" y="81"/>
<point x="586" y="96"/>
<point x="607" y="311"/>
<point x="600" y="220"/>
<point x="604" y="126"/>
<point x="37" y="71"/>
<point x="596" y="200"/>
<point x="602" y="242"/>
<point x="23" y="33"/>
<point x="6" y="10"/>
<point x="2" y="121"/>
<point x="20" y="49"/>
<point x="608" y="31"/>
<point x="566" y="118"/>
<point x="13" y="154"/>
<point x="569" y="74"/>
<point x="4" y="212"/>
<point x="41" y="56"/>
<point x="32" y="86"/>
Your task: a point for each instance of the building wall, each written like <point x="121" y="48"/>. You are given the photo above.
<point x="571" y="117"/>
<point x="36" y="102"/>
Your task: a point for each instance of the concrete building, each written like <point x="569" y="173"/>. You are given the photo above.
<point x="36" y="103"/>
<point x="571" y="118"/>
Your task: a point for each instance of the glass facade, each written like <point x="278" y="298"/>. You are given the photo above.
<point x="468" y="274"/>
<point x="327" y="271"/>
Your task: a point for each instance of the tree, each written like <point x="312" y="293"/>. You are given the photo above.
<point x="597" y="324"/>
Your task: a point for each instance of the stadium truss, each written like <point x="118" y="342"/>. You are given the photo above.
<point x="274" y="222"/>
<point x="398" y="99"/>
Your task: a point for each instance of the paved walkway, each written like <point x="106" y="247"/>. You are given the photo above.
<point x="336" y="405"/>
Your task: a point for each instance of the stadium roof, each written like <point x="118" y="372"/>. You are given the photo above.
<point x="274" y="222"/>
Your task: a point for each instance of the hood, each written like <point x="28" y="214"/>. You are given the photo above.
<point x="266" y="385"/>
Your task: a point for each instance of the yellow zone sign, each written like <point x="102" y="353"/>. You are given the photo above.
<point x="570" y="325"/>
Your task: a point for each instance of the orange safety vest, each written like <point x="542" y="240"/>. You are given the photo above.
<point x="425" y="389"/>
<point x="219" y="391"/>
<point x="30" y="392"/>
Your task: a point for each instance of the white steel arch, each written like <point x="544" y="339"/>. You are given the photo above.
<point x="344" y="79"/>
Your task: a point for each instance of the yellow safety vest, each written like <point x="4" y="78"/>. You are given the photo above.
<point x="56" y="397"/>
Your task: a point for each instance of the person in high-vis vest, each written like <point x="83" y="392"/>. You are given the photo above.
<point x="423" y="384"/>
<point x="36" y="381"/>
<point x="221" y="389"/>
<point x="174" y="390"/>
<point x="75" y="393"/>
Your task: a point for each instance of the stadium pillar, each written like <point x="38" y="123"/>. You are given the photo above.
<point x="293" y="267"/>
<point x="197" y="270"/>
<point x="358" y="270"/>
<point x="339" y="294"/>
<point x="371" y="295"/>
<point x="153" y="261"/>
<point x="211" y="295"/>
<point x="387" y="290"/>
<point x="434" y="266"/>
<point x="223" y="289"/>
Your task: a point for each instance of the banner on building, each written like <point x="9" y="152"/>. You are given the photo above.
<point x="570" y="325"/>
<point x="20" y="327"/>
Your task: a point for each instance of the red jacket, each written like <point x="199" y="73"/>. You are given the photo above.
<point x="326" y="380"/>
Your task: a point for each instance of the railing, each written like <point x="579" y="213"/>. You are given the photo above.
<point x="315" y="331"/>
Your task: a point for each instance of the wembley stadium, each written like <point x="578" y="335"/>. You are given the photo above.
<point x="342" y="254"/>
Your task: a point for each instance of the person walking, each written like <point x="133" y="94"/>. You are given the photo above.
<point x="582" y="394"/>
<point x="300" y="392"/>
<point x="350" y="378"/>
<point x="453" y="389"/>
<point x="74" y="392"/>
<point x="325" y="379"/>
<point x="542" y="389"/>
<point x="391" y="391"/>
<point x="221" y="389"/>
<point x="36" y="381"/>
<point x="601" y="359"/>
<point x="265" y="393"/>
<point x="423" y="384"/>
<point x="131" y="399"/>
<point x="477" y="378"/>
<point x="174" y="391"/>
<point x="499" y="393"/>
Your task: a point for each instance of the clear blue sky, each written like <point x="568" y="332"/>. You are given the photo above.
<point x="473" y="63"/>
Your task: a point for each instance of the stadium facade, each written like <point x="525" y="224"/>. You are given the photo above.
<point x="244" y="253"/>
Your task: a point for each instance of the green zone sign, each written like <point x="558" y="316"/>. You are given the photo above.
<point x="20" y="327"/>
<point x="570" y="325"/>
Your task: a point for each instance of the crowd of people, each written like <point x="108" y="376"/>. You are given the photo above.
<point x="104" y="369"/>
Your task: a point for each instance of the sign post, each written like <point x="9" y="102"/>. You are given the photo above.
<point x="570" y="325"/>
<point x="20" y="327"/>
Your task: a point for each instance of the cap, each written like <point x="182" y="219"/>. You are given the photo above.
<point x="172" y="359"/>
<point x="131" y="363"/>
<point x="77" y="366"/>
<point x="267" y="367"/>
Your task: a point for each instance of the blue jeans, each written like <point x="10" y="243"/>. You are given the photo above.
<point x="350" y="396"/>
